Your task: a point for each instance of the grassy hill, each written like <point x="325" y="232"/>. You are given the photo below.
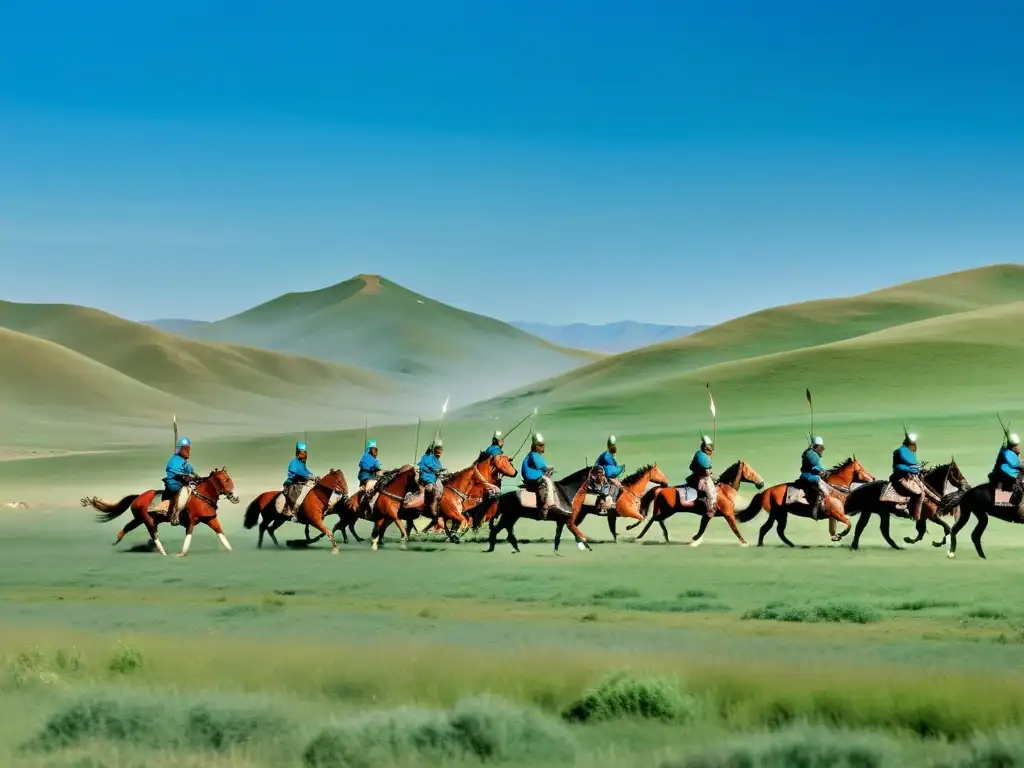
<point x="373" y="323"/>
<point x="90" y="365"/>
<point x="612" y="338"/>
<point x="783" y="329"/>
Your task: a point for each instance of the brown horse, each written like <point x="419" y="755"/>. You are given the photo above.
<point x="386" y="502"/>
<point x="780" y="502"/>
<point x="512" y="507"/>
<point x="668" y="501"/>
<point x="945" y="481"/>
<point x="984" y="502"/>
<point x="629" y="502"/>
<point x="200" y="507"/>
<point x="464" y="491"/>
<point x="315" y="502"/>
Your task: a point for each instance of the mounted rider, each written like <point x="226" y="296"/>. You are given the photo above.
<point x="537" y="476"/>
<point x="296" y="479"/>
<point x="177" y="475"/>
<point x="496" y="446"/>
<point x="369" y="469"/>
<point x="605" y="476"/>
<point x="1005" y="475"/>
<point x="906" y="475"/>
<point x="700" y="478"/>
<point x="430" y="472"/>
<point x="811" y="481"/>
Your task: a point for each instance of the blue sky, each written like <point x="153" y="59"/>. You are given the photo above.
<point x="700" y="160"/>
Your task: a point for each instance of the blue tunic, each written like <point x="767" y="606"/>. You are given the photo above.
<point x="176" y="468"/>
<point x="1008" y="463"/>
<point x="700" y="464"/>
<point x="297" y="472"/>
<point x="492" y="450"/>
<point x="811" y="469"/>
<point x="368" y="467"/>
<point x="904" y="461"/>
<point x="611" y="467"/>
<point x="533" y="467"/>
<point x="430" y="466"/>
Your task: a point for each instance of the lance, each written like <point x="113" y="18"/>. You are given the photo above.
<point x="520" y="423"/>
<point x="1006" y="429"/>
<point x="810" y="436"/>
<point x="416" y="450"/>
<point x="714" y="416"/>
<point x="174" y="417"/>
<point x="437" y="433"/>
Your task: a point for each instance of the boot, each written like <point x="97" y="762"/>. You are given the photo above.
<point x="172" y="510"/>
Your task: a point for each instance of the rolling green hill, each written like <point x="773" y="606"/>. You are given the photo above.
<point x="755" y="340"/>
<point x="373" y="323"/>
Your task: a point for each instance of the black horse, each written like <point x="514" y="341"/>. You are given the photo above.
<point x="981" y="503"/>
<point x="510" y="511"/>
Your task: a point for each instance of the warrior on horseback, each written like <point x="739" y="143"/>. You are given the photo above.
<point x="906" y="475"/>
<point x="177" y="476"/>
<point x="369" y="470"/>
<point x="297" y="479"/>
<point x="1005" y="475"/>
<point x="604" y="480"/>
<point x="700" y="478"/>
<point x="810" y="481"/>
<point x="497" y="443"/>
<point x="537" y="476"/>
<point x="430" y="477"/>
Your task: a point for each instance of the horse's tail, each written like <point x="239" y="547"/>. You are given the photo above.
<point x="109" y="510"/>
<point x="753" y="509"/>
<point x="252" y="513"/>
<point x="647" y="500"/>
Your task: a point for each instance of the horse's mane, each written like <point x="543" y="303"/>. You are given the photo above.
<point x="842" y="464"/>
<point x="636" y="475"/>
<point x="729" y="475"/>
<point x="391" y="474"/>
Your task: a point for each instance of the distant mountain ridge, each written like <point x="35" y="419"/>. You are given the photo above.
<point x="612" y="338"/>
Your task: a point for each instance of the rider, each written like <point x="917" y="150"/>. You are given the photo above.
<point x="906" y="473"/>
<point x="700" y="475"/>
<point x="610" y="469"/>
<point x="177" y="473"/>
<point x="298" y="475"/>
<point x="537" y="475"/>
<point x="1006" y="472"/>
<point x="430" y="469"/>
<point x="369" y="469"/>
<point x="811" y="472"/>
<point x="497" y="443"/>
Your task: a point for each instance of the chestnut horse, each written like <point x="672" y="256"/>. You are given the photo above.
<point x="328" y="491"/>
<point x="201" y="507"/>
<point x="628" y="503"/>
<point x="511" y="510"/>
<point x="840" y="479"/>
<point x="464" y="491"/>
<point x="386" y="502"/>
<point x="668" y="501"/>
<point x="945" y="480"/>
<point x="983" y="504"/>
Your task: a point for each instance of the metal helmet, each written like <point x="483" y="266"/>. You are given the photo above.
<point x="1013" y="439"/>
<point x="300" y="446"/>
<point x="437" y="444"/>
<point x="184" y="442"/>
<point x="705" y="440"/>
<point x="497" y="435"/>
<point x="538" y="439"/>
<point x="818" y="441"/>
<point x="911" y="437"/>
<point x="371" y="444"/>
<point x="611" y="439"/>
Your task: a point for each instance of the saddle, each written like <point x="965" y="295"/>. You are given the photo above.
<point x="686" y="493"/>
<point x="282" y="500"/>
<point x="795" y="495"/>
<point x="890" y="495"/>
<point x="527" y="499"/>
<point x="158" y="504"/>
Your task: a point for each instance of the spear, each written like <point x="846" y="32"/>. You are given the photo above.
<point x="1006" y="428"/>
<point x="509" y="432"/>
<point x="366" y="432"/>
<point x="175" y="419"/>
<point x="714" y="415"/>
<point x="810" y="437"/>
<point x="437" y="433"/>
<point x="416" y="450"/>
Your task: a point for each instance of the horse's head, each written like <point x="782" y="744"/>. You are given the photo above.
<point x="860" y="475"/>
<point x="407" y="480"/>
<point x="741" y="472"/>
<point x="851" y="471"/>
<point x="651" y="473"/>
<point x="503" y="465"/>
<point x="335" y="482"/>
<point x="657" y="476"/>
<point x="956" y="477"/>
<point x="222" y="484"/>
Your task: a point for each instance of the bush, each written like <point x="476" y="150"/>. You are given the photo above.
<point x="483" y="728"/>
<point x="839" y="613"/>
<point x="125" y="660"/>
<point x="621" y="696"/>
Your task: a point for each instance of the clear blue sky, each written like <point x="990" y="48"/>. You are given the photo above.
<point x="701" y="159"/>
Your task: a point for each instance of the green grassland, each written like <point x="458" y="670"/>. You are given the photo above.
<point x="728" y="657"/>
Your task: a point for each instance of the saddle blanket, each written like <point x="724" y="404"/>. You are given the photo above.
<point x="160" y="505"/>
<point x="527" y="499"/>
<point x="281" y="500"/>
<point x="686" y="493"/>
<point x="891" y="496"/>
<point x="795" y="495"/>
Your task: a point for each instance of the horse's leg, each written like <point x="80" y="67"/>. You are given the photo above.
<point x="664" y="530"/>
<point x="730" y="518"/>
<point x="511" y="534"/>
<point x="152" y="526"/>
<point x="559" y="525"/>
<point x="945" y="533"/>
<point x="581" y="540"/>
<point x="836" y="514"/>
<point x="612" y="517"/>
<point x="862" y="523"/>
<point x="352" y="530"/>
<point x="766" y="527"/>
<point x="832" y="528"/>
<point x="883" y="525"/>
<point x="965" y="515"/>
<point x="318" y="522"/>
<point x="495" y="527"/>
<point x="276" y="523"/>
<point x="781" y="529"/>
<point x="188" y="537"/>
<point x="978" y="531"/>
<point x="705" y="521"/>
<point x="131" y="525"/>
<point x="215" y="526"/>
<point x="922" y="528"/>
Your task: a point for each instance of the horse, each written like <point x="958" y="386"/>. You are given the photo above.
<point x="944" y="480"/>
<point x="514" y="506"/>
<point x="628" y="503"/>
<point x="668" y="501"/>
<point x="987" y="501"/>
<point x="780" y="501"/>
<point x="464" y="492"/>
<point x="386" y="502"/>
<point x="315" y="500"/>
<point x="200" y="507"/>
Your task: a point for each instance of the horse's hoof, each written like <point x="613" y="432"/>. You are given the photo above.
<point x="744" y="544"/>
<point x="695" y="543"/>
<point x="837" y="538"/>
<point x="950" y="555"/>
<point x="335" y="551"/>
<point x="582" y="546"/>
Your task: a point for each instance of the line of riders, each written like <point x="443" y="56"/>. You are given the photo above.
<point x="603" y="477"/>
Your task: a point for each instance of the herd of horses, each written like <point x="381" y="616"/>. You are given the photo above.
<point x="472" y="497"/>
